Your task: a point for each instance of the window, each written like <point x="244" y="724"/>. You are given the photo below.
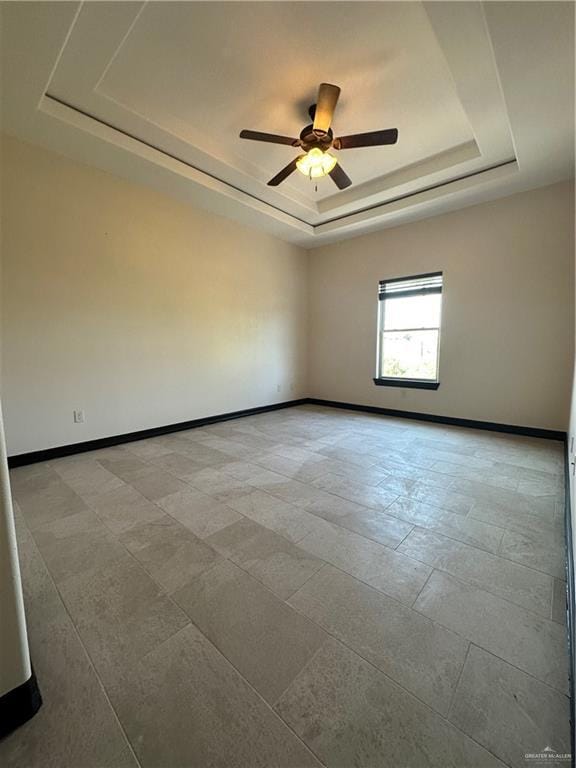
<point x="409" y="331"/>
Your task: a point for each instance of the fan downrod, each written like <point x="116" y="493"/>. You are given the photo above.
<point x="311" y="139"/>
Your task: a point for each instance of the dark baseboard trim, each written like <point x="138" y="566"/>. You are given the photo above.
<point x="19" y="705"/>
<point x="59" y="451"/>
<point x="511" y="429"/>
<point x="570" y="597"/>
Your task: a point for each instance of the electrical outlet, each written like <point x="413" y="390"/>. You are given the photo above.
<point x="278" y="388"/>
<point x="79" y="417"/>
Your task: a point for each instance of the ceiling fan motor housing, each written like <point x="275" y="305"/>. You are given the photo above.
<point x="310" y="138"/>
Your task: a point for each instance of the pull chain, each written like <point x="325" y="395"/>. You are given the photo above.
<point x="315" y="183"/>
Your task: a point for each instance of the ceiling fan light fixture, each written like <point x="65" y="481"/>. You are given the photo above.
<point x="316" y="163"/>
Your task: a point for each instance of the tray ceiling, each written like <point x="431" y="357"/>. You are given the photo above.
<point x="159" y="91"/>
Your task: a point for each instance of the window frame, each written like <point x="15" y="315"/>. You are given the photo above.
<point x="399" y="381"/>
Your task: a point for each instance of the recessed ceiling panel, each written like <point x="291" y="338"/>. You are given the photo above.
<point x="158" y="92"/>
<point x="204" y="71"/>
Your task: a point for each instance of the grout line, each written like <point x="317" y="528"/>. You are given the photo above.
<point x="266" y="703"/>
<point x="388" y="677"/>
<point x="436" y="622"/>
<point x="455" y="691"/>
<point x="473" y="546"/>
<point x="413" y="603"/>
<point x="334" y="637"/>
<point x="80" y="640"/>
<point x="298" y="508"/>
<point x="489" y="590"/>
<point x="404" y="539"/>
<point x="507" y="661"/>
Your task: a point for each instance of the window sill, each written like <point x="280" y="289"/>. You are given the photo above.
<point x="407" y="383"/>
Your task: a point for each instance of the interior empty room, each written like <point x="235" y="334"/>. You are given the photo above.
<point x="287" y="384"/>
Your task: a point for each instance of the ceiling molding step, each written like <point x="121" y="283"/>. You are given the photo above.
<point x="482" y="95"/>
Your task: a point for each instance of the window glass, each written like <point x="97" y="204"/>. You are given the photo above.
<point x="412" y="312"/>
<point x="409" y="354"/>
<point x="409" y="332"/>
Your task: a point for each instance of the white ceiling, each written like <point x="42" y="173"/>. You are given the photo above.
<point x="157" y="92"/>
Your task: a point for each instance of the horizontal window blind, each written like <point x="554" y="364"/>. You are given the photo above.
<point x="419" y="285"/>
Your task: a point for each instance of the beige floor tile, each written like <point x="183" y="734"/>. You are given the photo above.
<point x="121" y="614"/>
<point x="455" y="526"/>
<point x="232" y="449"/>
<point x="36" y="580"/>
<point x="124" y="508"/>
<point x="304" y="471"/>
<point x="424" y="492"/>
<point x="148" y="449"/>
<point x="332" y="508"/>
<point x="533" y="644"/>
<point x="178" y="465"/>
<point x="524" y="586"/>
<point x="201" y="514"/>
<point x="496" y="474"/>
<point x="544" y="551"/>
<point x="368" y="476"/>
<point x="350" y="714"/>
<point x="32" y="478"/>
<point x="489" y="495"/>
<point x="218" y="484"/>
<point x="549" y="461"/>
<point x="202" y="454"/>
<point x="254" y="474"/>
<point x="297" y="453"/>
<point x="155" y="484"/>
<point x="170" y="553"/>
<point x="534" y="482"/>
<point x="290" y="491"/>
<point x="125" y="466"/>
<point x="351" y="457"/>
<point x="289" y="521"/>
<point x="378" y="498"/>
<point x="266" y="640"/>
<point x="509" y="712"/>
<point x="76" y="725"/>
<point x="76" y="544"/>
<point x="398" y="486"/>
<point x="422" y="656"/>
<point x="521" y="519"/>
<point x="370" y="523"/>
<point x="395" y="574"/>
<point x="185" y="705"/>
<point x="124" y="759"/>
<point x="50" y="502"/>
<point x="277" y="494"/>
<point x="280" y="565"/>
<point x="86" y="476"/>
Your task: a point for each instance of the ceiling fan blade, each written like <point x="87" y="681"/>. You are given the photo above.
<point x="325" y="106"/>
<point x="272" y="138"/>
<point x="370" y="139"/>
<point x="340" y="177"/>
<point x="283" y="174"/>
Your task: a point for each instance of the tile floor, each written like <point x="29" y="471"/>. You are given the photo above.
<point x="308" y="587"/>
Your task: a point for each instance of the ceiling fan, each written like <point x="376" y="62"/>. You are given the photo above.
<point x="317" y="139"/>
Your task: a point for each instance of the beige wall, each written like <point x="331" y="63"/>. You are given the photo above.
<point x="506" y="350"/>
<point x="136" y="308"/>
<point x="144" y="311"/>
